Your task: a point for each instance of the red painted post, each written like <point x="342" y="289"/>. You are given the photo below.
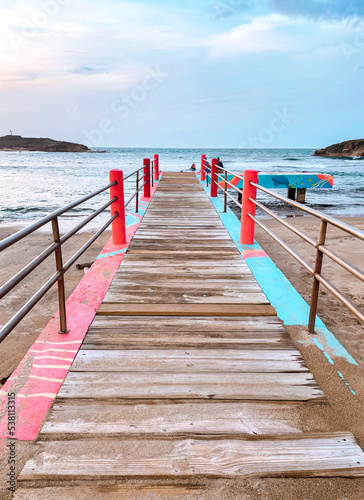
<point x="156" y="167"/>
<point x="146" y="170"/>
<point x="247" y="223"/>
<point x="214" y="177"/>
<point x="118" y="225"/>
<point x="203" y="159"/>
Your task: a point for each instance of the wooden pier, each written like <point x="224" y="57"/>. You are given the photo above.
<point x="185" y="373"/>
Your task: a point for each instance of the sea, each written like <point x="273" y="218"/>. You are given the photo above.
<point x="33" y="184"/>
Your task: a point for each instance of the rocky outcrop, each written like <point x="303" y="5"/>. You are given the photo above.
<point x="347" y="149"/>
<point x="18" y="143"/>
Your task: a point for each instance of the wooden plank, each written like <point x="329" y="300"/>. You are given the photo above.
<point x="155" y="295"/>
<point x="78" y="419"/>
<point x="185" y="310"/>
<point x="127" y="278"/>
<point x="125" y="332"/>
<point x="190" y="360"/>
<point x="195" y="263"/>
<point x="210" y="325"/>
<point x="119" y="340"/>
<point x="168" y="244"/>
<point x="204" y="259"/>
<point x="315" y="455"/>
<point x="186" y="386"/>
<point x="183" y="269"/>
<point x="149" y="250"/>
<point x="181" y="236"/>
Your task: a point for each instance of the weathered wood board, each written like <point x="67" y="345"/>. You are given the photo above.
<point x="208" y="385"/>
<point x="175" y="309"/>
<point x="77" y="418"/>
<point x="307" y="455"/>
<point x="189" y="361"/>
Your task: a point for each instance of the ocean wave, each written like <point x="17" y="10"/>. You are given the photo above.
<point x="24" y="210"/>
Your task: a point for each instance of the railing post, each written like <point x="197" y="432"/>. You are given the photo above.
<point x="156" y="167"/>
<point x="118" y="225"/>
<point x="137" y="192"/>
<point x="316" y="283"/>
<point x="146" y="170"/>
<point x="214" y="169"/>
<point x="203" y="159"/>
<point x="60" y="282"/>
<point x="225" y="192"/>
<point x="247" y="223"/>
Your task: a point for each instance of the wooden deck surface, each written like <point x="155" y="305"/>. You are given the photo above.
<point x="186" y="370"/>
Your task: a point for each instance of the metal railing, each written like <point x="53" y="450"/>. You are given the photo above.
<point x="225" y="189"/>
<point x="321" y="250"/>
<point x="55" y="248"/>
<point x="248" y="195"/>
<point x="138" y="188"/>
<point x="116" y="187"/>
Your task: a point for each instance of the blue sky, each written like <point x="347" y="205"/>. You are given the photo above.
<point x="224" y="73"/>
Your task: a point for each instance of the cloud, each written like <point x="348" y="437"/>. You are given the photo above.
<point x="280" y="34"/>
<point x="110" y="43"/>
<point x="319" y="9"/>
<point x="311" y="9"/>
<point x="262" y="34"/>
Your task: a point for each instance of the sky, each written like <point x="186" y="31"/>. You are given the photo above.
<point x="194" y="74"/>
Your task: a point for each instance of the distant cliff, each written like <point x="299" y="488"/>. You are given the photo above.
<point x="18" y="143"/>
<point x="347" y="149"/>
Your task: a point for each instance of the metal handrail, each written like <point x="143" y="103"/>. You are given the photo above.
<point x="240" y="191"/>
<point x="233" y="199"/>
<point x="133" y="173"/>
<point x="15" y="320"/>
<point x="284" y="245"/>
<point x="14" y="238"/>
<point x="225" y="188"/>
<point x="321" y="250"/>
<point x="56" y="248"/>
<point x="327" y="218"/>
<point x="232" y="173"/>
<point x="135" y="194"/>
<point x="320" y="247"/>
<point x="15" y="280"/>
<point x="226" y="193"/>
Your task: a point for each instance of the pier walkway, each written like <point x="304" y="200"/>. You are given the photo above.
<point x="186" y="374"/>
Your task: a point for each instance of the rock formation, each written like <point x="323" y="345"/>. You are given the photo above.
<point x="347" y="149"/>
<point x="18" y="143"/>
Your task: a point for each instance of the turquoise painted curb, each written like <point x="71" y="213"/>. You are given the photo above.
<point x="290" y="306"/>
<point x="130" y="220"/>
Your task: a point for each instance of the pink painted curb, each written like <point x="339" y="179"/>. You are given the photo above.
<point x="39" y="376"/>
